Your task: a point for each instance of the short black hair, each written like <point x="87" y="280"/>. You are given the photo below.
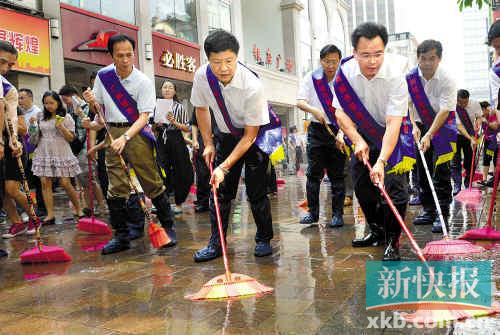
<point x="220" y="40"/>
<point x="429" y="45"/>
<point x="484" y="104"/>
<point x="27" y="91"/>
<point x="329" y="49"/>
<point x="463" y="94"/>
<point x="68" y="90"/>
<point x="117" y="39"/>
<point x="8" y="47"/>
<point x="494" y="32"/>
<point x="369" y="30"/>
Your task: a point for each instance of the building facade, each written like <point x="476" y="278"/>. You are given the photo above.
<point x="380" y="11"/>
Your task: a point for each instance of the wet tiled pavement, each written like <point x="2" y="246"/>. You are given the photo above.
<point x="319" y="279"/>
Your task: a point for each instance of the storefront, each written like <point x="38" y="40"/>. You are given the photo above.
<point x="85" y="36"/>
<point x="30" y="35"/>
<point x="175" y="60"/>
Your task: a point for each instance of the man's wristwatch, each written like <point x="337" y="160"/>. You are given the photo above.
<point x="126" y="137"/>
<point x="383" y="161"/>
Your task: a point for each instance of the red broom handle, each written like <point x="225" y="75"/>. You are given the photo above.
<point x="90" y="178"/>
<point x="219" y="225"/>
<point x="398" y="217"/>
<point x="493" y="193"/>
<point x="472" y="169"/>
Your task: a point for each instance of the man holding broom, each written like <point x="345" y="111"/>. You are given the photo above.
<point x="128" y="99"/>
<point x="433" y="95"/>
<point x="236" y="97"/>
<point x="371" y="101"/>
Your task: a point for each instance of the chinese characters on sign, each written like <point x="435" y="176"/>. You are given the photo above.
<point x="22" y="42"/>
<point x="178" y="61"/>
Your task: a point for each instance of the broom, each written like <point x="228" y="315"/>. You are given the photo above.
<point x="41" y="253"/>
<point x="446" y="246"/>
<point x="228" y="285"/>
<point x="92" y="225"/>
<point x="157" y="235"/>
<point x="400" y="220"/>
<point x="470" y="196"/>
<point x="488" y="232"/>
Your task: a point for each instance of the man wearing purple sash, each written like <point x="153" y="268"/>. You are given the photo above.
<point x="236" y="97"/>
<point x="128" y="98"/>
<point x="494" y="41"/>
<point x="371" y="104"/>
<point x="467" y="111"/>
<point x="315" y="96"/>
<point x="432" y="110"/>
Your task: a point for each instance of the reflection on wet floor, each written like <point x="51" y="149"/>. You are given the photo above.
<point x="319" y="279"/>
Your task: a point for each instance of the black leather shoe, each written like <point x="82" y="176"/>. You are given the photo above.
<point x="436" y="225"/>
<point x="391" y="252"/>
<point x="309" y="219"/>
<point x="201" y="208"/>
<point x="114" y="246"/>
<point x="207" y="254"/>
<point x="337" y="222"/>
<point x="173" y="238"/>
<point x="134" y="234"/>
<point x="370" y="240"/>
<point x="425" y="218"/>
<point x="3" y="253"/>
<point x="263" y="249"/>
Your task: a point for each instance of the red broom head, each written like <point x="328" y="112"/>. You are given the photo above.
<point x="157" y="235"/>
<point x="238" y="285"/>
<point x="94" y="226"/>
<point x="470" y="196"/>
<point x="486" y="233"/>
<point x="446" y="249"/>
<point x="45" y="254"/>
<point x="433" y="316"/>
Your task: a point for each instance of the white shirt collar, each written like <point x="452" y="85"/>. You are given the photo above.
<point x="437" y="74"/>
<point x="381" y="74"/>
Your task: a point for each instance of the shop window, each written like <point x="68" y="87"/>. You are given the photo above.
<point x="219" y="15"/>
<point x="123" y="10"/>
<point x="175" y="17"/>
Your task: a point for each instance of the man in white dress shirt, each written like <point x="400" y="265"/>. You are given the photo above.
<point x="378" y="84"/>
<point x="440" y="91"/>
<point x="467" y="111"/>
<point x="324" y="151"/>
<point x="127" y="111"/>
<point x="239" y="111"/>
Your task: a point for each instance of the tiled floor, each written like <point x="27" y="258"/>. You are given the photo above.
<point x="319" y="279"/>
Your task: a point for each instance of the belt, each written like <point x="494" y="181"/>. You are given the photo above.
<point x="119" y="124"/>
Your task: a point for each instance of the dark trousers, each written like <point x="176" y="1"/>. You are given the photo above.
<point x="256" y="166"/>
<point x="463" y="145"/>
<point x="102" y="173"/>
<point x="34" y="182"/>
<point x="377" y="212"/>
<point x="441" y="178"/>
<point x="202" y="176"/>
<point x="323" y="154"/>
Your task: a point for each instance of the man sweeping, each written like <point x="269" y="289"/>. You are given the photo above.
<point x="128" y="99"/>
<point x="371" y="101"/>
<point x="236" y="96"/>
<point x="324" y="150"/>
<point x="432" y="93"/>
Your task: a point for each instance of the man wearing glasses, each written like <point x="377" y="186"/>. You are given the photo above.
<point x="324" y="151"/>
<point x="371" y="101"/>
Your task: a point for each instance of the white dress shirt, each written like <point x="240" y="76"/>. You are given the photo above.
<point x="307" y="92"/>
<point x="440" y="90"/>
<point x="137" y="84"/>
<point x="244" y="98"/>
<point x="11" y="102"/>
<point x="473" y="109"/>
<point x="386" y="94"/>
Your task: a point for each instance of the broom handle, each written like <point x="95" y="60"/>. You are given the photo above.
<point x="219" y="225"/>
<point x="398" y="217"/>
<point x="472" y="168"/>
<point x="10" y="131"/>
<point x="433" y="191"/>
<point x="90" y="178"/>
<point x="493" y="193"/>
<point x="125" y="168"/>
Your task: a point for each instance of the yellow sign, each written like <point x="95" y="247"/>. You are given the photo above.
<point x="30" y="36"/>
